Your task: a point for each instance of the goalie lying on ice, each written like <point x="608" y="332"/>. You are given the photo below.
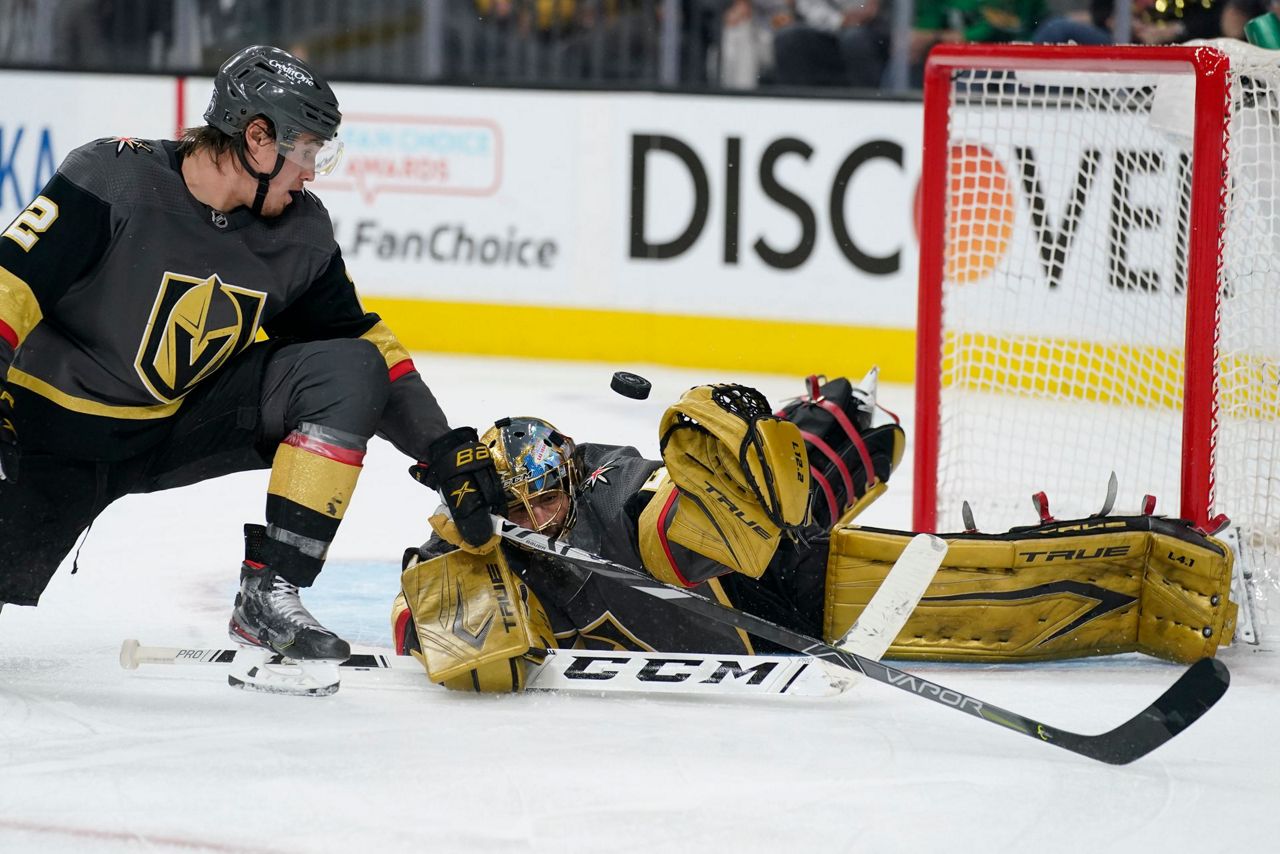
<point x="753" y="509"/>
<point x="729" y="515"/>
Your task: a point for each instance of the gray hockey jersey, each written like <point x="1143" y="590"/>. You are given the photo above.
<point x="120" y="292"/>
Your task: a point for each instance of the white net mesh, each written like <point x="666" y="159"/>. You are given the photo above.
<point x="1246" y="473"/>
<point x="1064" y="302"/>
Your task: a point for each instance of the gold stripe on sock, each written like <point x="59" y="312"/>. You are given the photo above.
<point x="315" y="482"/>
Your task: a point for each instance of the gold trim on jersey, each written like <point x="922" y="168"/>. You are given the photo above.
<point x="89" y="407"/>
<point x="610" y="630"/>
<point x="387" y="343"/>
<point x="18" y="304"/>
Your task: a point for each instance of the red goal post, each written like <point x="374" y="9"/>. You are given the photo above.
<point x="1097" y="285"/>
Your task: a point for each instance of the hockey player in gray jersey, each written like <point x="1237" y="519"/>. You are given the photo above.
<point x="132" y="292"/>
<point x="755" y="510"/>
<point x="738" y="509"/>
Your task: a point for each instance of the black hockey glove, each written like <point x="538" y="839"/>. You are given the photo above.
<point x="461" y="469"/>
<point x="8" y="438"/>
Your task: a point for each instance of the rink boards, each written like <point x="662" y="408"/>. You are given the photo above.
<point x="728" y="232"/>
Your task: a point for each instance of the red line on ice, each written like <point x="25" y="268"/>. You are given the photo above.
<point x="124" y="836"/>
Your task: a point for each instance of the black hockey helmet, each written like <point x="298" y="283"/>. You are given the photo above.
<point x="268" y="81"/>
<point x="275" y="83"/>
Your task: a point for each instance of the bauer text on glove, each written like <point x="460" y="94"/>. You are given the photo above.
<point x="460" y="467"/>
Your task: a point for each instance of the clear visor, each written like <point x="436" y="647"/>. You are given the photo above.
<point x="320" y="156"/>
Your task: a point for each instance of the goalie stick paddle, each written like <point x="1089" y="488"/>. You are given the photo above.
<point x="1193" y="694"/>
<point x="895" y="598"/>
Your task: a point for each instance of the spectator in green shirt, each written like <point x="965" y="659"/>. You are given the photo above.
<point x="960" y="21"/>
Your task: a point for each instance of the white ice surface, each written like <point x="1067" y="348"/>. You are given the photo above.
<point x="94" y="758"/>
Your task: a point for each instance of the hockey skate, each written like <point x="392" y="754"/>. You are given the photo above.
<point x="271" y="625"/>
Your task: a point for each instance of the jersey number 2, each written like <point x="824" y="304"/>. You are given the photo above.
<point x="32" y="222"/>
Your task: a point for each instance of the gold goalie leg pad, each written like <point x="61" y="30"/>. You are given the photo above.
<point x="1061" y="590"/>
<point x="475" y="621"/>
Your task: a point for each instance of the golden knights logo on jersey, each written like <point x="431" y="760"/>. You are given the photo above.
<point x="195" y="326"/>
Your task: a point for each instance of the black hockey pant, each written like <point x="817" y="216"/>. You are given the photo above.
<point x="232" y="422"/>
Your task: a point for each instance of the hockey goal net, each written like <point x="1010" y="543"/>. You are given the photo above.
<point x="1100" y="286"/>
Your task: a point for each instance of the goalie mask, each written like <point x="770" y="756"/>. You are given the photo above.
<point x="539" y="476"/>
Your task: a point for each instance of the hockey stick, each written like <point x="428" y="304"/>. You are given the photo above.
<point x="133" y="654"/>
<point x="1194" y="693"/>
<point x="892" y="603"/>
<point x="580" y="670"/>
<point x="594" y="671"/>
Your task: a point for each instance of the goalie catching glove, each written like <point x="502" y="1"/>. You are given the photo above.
<point x="462" y="470"/>
<point x="737" y="479"/>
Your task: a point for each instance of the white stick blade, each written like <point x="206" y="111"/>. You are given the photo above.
<point x="129" y="654"/>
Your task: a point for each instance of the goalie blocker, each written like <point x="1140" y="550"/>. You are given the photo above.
<point x="1062" y="589"/>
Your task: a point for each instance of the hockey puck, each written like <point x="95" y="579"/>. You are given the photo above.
<point x="630" y="385"/>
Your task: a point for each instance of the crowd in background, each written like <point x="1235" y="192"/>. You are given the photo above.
<point x="730" y="44"/>
<point x="846" y="42"/>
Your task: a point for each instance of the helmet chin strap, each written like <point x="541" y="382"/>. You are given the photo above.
<point x="264" y="179"/>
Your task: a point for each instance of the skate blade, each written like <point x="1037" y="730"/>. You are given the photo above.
<point x="261" y="670"/>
